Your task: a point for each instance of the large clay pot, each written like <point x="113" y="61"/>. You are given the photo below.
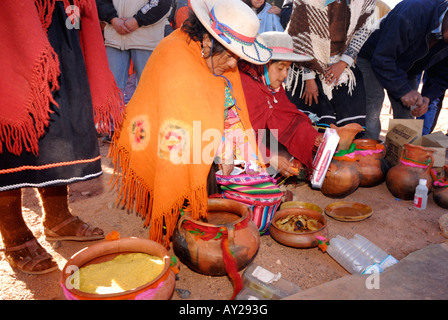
<point x="161" y="288"/>
<point x="370" y="158"/>
<point x="440" y="190"/>
<point x="415" y="163"/>
<point x="198" y="244"/>
<point x="343" y="176"/>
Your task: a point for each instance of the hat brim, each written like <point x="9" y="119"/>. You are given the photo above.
<point x="256" y="53"/>
<point x="290" y="56"/>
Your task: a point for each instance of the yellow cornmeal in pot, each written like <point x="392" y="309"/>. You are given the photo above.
<point x="124" y="272"/>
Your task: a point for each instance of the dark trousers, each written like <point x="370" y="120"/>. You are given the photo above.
<point x="342" y="109"/>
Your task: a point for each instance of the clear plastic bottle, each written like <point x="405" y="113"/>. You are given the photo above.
<point x="369" y="248"/>
<point x="348" y="255"/>
<point x="421" y="195"/>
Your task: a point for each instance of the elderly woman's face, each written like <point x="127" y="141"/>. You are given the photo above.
<point x="221" y="62"/>
<point x="278" y="71"/>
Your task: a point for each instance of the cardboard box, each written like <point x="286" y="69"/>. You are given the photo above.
<point x="409" y="131"/>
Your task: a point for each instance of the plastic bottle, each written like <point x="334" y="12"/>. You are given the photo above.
<point x="369" y="248"/>
<point x="348" y="255"/>
<point x="421" y="195"/>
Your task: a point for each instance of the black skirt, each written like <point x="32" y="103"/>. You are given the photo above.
<point x="69" y="151"/>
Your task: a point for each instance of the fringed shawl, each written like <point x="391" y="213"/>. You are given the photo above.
<point x="31" y="70"/>
<point x="309" y="28"/>
<point x="175" y="115"/>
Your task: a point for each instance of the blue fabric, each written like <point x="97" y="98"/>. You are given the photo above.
<point x="331" y="1"/>
<point x="429" y="116"/>
<point x="120" y="61"/>
<point x="269" y="21"/>
<point x="399" y="48"/>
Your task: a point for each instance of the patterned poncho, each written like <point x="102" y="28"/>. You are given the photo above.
<point x="309" y="28"/>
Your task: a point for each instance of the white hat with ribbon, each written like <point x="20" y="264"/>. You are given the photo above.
<point x="235" y="26"/>
<point x="282" y="47"/>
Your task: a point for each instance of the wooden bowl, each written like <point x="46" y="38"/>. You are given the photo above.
<point x="298" y="239"/>
<point x="160" y="288"/>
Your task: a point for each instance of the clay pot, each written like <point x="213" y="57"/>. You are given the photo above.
<point x="204" y="254"/>
<point x="403" y="178"/>
<point x="440" y="193"/>
<point x="346" y="134"/>
<point x="370" y="161"/>
<point x="161" y="288"/>
<point x="343" y="177"/>
<point x="298" y="239"/>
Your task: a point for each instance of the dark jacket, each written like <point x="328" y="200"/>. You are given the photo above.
<point x="436" y="80"/>
<point x="399" y="49"/>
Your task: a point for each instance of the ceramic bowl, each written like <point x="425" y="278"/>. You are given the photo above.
<point x="298" y="239"/>
<point x="160" y="288"/>
<point x="300" y="204"/>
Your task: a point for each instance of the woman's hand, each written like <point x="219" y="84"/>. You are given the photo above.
<point x="275" y="10"/>
<point x="120" y="26"/>
<point x="334" y="71"/>
<point x="311" y="92"/>
<point x="226" y="169"/>
<point x="319" y="139"/>
<point x="131" y="24"/>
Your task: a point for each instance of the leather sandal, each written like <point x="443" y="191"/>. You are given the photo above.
<point x="36" y="255"/>
<point x="84" y="233"/>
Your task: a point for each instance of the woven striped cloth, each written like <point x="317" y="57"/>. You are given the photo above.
<point x="259" y="192"/>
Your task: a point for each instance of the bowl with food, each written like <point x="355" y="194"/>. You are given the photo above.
<point x="298" y="227"/>
<point x="121" y="269"/>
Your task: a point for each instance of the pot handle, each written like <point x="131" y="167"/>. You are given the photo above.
<point x="428" y="169"/>
<point x="181" y="220"/>
<point x="384" y="152"/>
<point x="230" y="232"/>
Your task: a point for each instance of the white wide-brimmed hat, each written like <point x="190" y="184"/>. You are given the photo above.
<point x="282" y="47"/>
<point x="235" y="26"/>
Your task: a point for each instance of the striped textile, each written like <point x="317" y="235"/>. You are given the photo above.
<point x="259" y="192"/>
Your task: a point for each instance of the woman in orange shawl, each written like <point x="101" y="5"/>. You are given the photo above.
<point x="175" y="120"/>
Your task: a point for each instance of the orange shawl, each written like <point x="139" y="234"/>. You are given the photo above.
<point x="178" y="104"/>
<point x="30" y="71"/>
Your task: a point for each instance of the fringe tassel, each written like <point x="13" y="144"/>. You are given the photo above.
<point x="43" y="82"/>
<point x="110" y="116"/>
<point x="137" y="196"/>
<point x="45" y="12"/>
<point x="293" y="79"/>
<point x="347" y="78"/>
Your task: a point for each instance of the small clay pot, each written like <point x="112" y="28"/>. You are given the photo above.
<point x="370" y="162"/>
<point x="343" y="177"/>
<point x="298" y="239"/>
<point x="161" y="288"/>
<point x="440" y="196"/>
<point x="205" y="255"/>
<point x="440" y="193"/>
<point x="402" y="179"/>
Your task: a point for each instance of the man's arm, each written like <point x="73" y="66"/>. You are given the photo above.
<point x="152" y="12"/>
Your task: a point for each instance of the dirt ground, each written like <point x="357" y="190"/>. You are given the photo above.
<point x="395" y="226"/>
